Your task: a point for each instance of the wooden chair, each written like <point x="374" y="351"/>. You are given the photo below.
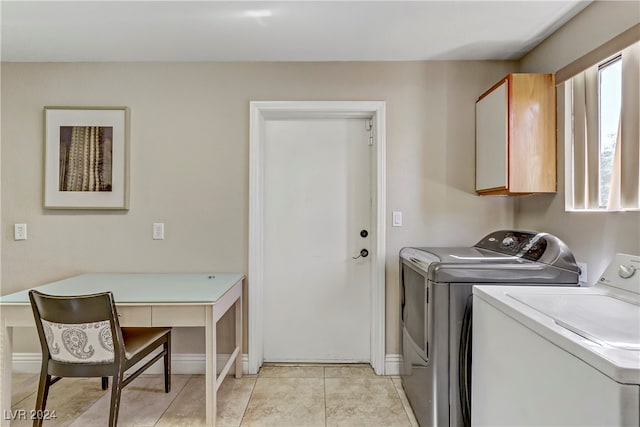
<point x="80" y="336"/>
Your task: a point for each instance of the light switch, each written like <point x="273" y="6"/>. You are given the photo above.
<point x="20" y="231"/>
<point x="158" y="231"/>
<point x="397" y="219"/>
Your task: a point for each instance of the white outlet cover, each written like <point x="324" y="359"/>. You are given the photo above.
<point x="20" y="231"/>
<point x="158" y="231"/>
<point x="583" y="272"/>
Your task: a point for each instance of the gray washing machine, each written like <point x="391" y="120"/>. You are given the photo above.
<point x="437" y="305"/>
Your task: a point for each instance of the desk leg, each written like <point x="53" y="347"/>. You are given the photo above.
<point x="239" y="329"/>
<point x="6" y="354"/>
<point x="210" y="367"/>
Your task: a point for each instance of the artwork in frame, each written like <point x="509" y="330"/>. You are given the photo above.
<point x="86" y="158"/>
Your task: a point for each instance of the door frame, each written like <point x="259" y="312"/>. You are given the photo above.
<point x="261" y="111"/>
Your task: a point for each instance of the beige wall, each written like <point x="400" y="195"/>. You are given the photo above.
<point x="596" y="24"/>
<point x="593" y="237"/>
<point x="189" y="163"/>
<point x="189" y="157"/>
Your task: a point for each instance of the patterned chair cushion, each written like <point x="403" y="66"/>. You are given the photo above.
<point x="79" y="343"/>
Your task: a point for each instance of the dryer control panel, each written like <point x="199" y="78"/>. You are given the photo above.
<point x="515" y="243"/>
<point x="533" y="246"/>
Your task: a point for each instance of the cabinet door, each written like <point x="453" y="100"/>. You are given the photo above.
<point x="532" y="137"/>
<point x="491" y="140"/>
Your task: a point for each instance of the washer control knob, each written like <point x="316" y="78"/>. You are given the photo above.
<point x="508" y="241"/>
<point x="626" y="271"/>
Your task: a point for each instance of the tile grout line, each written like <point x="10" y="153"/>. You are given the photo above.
<point x="246" y="408"/>
<point x="174" y="398"/>
<point x="37" y="378"/>
<point x="402" y="401"/>
<point x="324" y="390"/>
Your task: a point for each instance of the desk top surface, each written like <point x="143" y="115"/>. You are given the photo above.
<point x="140" y="288"/>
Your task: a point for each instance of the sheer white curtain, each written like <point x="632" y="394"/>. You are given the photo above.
<point x="624" y="192"/>
<point x="585" y="139"/>
<point x="629" y="136"/>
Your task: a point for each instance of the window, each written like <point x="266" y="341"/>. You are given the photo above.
<point x="609" y="100"/>
<point x="602" y="137"/>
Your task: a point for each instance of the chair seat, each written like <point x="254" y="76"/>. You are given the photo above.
<point x="137" y="339"/>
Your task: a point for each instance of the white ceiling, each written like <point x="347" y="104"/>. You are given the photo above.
<point x="277" y="31"/>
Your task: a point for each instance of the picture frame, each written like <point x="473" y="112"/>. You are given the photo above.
<point x="86" y="157"/>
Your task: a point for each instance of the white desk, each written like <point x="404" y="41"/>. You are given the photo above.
<point x="142" y="300"/>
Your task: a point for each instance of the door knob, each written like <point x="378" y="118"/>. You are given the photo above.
<point x="363" y="253"/>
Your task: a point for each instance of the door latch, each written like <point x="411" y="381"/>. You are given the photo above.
<point x="363" y="253"/>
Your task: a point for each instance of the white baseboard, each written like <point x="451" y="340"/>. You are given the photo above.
<point x="181" y="363"/>
<point x="392" y="364"/>
<point x="26" y="363"/>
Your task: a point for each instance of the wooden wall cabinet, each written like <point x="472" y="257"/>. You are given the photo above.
<point x="516" y="136"/>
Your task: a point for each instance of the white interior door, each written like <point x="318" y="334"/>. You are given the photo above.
<point x="317" y="199"/>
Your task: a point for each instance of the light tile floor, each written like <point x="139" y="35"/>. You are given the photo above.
<point x="279" y="396"/>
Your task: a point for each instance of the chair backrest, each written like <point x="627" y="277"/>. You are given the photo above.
<point x="77" y="329"/>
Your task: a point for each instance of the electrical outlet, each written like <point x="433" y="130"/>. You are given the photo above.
<point x="20" y="232"/>
<point x="583" y="272"/>
<point x="158" y="231"/>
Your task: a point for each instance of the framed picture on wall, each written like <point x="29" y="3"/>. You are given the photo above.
<point x="86" y="158"/>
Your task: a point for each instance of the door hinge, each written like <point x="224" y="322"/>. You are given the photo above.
<point x="369" y="127"/>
